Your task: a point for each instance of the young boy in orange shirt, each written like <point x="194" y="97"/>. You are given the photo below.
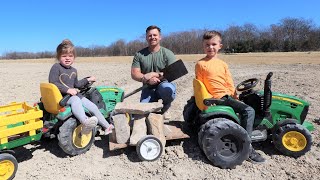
<point x="215" y="75"/>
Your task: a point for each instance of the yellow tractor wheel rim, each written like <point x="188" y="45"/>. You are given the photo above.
<point x="294" y="141"/>
<point x="6" y="169"/>
<point x="81" y="140"/>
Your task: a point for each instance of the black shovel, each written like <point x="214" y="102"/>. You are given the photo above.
<point x="170" y="73"/>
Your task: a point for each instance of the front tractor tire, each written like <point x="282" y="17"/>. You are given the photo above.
<point x="225" y="143"/>
<point x="71" y="140"/>
<point x="292" y="140"/>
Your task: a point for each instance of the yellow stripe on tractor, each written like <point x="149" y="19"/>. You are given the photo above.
<point x="287" y="99"/>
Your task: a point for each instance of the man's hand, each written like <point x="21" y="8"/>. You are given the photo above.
<point x="152" y="78"/>
<point x="150" y="75"/>
<point x="145" y="78"/>
<point x="154" y="81"/>
<point x="72" y="91"/>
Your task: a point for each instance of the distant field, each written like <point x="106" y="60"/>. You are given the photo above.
<point x="241" y="58"/>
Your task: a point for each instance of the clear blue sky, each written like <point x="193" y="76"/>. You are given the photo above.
<point x="39" y="25"/>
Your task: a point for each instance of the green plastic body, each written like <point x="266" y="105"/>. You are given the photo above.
<point x="282" y="107"/>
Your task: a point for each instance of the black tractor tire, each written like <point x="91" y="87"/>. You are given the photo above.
<point x="70" y="139"/>
<point x="190" y="111"/>
<point x="8" y="166"/>
<point x="292" y="140"/>
<point x="204" y="128"/>
<point x="225" y="143"/>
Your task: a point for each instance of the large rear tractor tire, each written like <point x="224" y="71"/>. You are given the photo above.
<point x="225" y="143"/>
<point x="8" y="166"/>
<point x="292" y="140"/>
<point x="71" y="140"/>
<point x="190" y="111"/>
<point x="203" y="129"/>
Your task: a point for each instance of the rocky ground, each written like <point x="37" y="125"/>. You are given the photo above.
<point x="182" y="159"/>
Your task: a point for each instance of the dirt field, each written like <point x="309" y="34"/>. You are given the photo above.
<point x="294" y="73"/>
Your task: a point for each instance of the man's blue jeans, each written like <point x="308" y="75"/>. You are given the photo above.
<point x="165" y="91"/>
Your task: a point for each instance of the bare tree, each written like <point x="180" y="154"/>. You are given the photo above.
<point x="134" y="46"/>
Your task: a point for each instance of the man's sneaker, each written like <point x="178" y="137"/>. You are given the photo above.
<point x="109" y="130"/>
<point x="256" y="158"/>
<point x="167" y="115"/>
<point x="89" y="124"/>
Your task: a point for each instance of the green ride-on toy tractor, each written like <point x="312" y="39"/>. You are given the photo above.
<point x="58" y="120"/>
<point x="278" y="117"/>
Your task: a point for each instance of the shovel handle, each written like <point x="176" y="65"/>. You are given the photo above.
<point x="135" y="91"/>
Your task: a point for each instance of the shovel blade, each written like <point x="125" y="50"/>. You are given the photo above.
<point x="175" y="70"/>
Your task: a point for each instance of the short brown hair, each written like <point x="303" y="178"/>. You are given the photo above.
<point x="66" y="46"/>
<point x="153" y="27"/>
<point x="211" y="34"/>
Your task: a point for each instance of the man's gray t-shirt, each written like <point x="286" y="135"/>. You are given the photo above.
<point x="153" y="62"/>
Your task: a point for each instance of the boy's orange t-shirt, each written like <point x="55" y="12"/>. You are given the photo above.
<point x="215" y="75"/>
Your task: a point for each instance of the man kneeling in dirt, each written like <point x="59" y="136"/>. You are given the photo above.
<point x="146" y="67"/>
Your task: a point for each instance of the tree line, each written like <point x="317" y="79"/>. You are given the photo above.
<point x="290" y="34"/>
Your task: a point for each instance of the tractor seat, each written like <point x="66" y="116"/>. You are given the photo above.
<point x="201" y="94"/>
<point x="50" y="97"/>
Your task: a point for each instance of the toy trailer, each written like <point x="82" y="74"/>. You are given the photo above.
<point x="20" y="124"/>
<point x="147" y="130"/>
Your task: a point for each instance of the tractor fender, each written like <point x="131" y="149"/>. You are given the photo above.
<point x="68" y="113"/>
<point x="65" y="114"/>
<point x="282" y="123"/>
<point x="204" y="117"/>
<point x="7" y="151"/>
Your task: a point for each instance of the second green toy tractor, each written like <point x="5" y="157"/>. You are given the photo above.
<point x="278" y="117"/>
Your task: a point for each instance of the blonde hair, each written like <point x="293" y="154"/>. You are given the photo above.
<point x="66" y="46"/>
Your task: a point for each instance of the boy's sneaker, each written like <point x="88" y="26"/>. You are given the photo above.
<point x="109" y="130"/>
<point x="89" y="124"/>
<point x="256" y="158"/>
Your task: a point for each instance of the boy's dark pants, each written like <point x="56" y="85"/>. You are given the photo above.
<point x="246" y="112"/>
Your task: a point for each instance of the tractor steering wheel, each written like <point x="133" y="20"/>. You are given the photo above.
<point x="247" y="84"/>
<point x="83" y="90"/>
<point x="86" y="87"/>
